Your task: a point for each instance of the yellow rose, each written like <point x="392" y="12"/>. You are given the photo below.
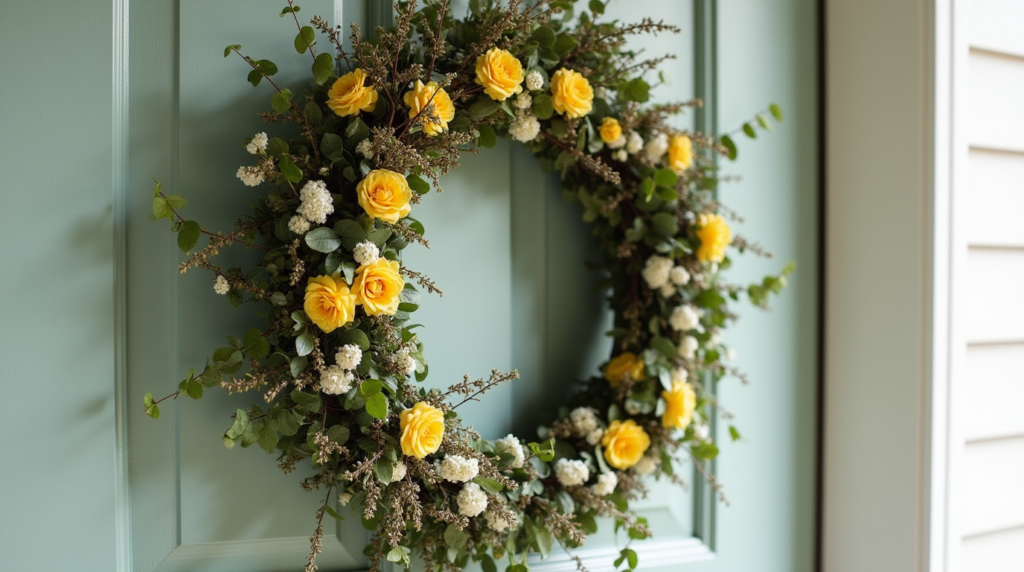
<point x="348" y="95"/>
<point x="679" y="404"/>
<point x="714" y="234"/>
<point x="500" y="73"/>
<point x="624" y="444"/>
<point x="624" y="365"/>
<point x="385" y="195"/>
<point x="377" y="287"/>
<point x="329" y="303"/>
<point x="680" y="153"/>
<point x="422" y="430"/>
<point x="436" y="121"/>
<point x="571" y="94"/>
<point x="610" y="129"/>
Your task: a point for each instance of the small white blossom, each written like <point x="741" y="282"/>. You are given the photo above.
<point x="583" y="420"/>
<point x="472" y="500"/>
<point x="510" y="444"/>
<point x="680" y="374"/>
<point x="405" y="361"/>
<point x="298" y="224"/>
<point x="716" y="337"/>
<point x="398" y="472"/>
<point x="646" y="466"/>
<point x="618" y="143"/>
<point x="499" y="524"/>
<point x="523" y="101"/>
<point x="600" y="92"/>
<point x="258" y="143"/>
<point x="250" y="175"/>
<point x="635" y="143"/>
<point x="458" y="469"/>
<point x="606" y="483"/>
<point x="656" y="271"/>
<point x="713" y="268"/>
<point x="679" y="276"/>
<point x="620" y="155"/>
<point x="349" y="356"/>
<point x="632" y="407"/>
<point x="365" y="253"/>
<point x="335" y="380"/>
<point x="365" y="148"/>
<point x="524" y="127"/>
<point x="324" y="171"/>
<point x="656" y="148"/>
<point x="701" y="431"/>
<point x="688" y="347"/>
<point x="534" y="81"/>
<point x="684" y="318"/>
<point x="594" y="437"/>
<point x="220" y="285"/>
<point x="344" y="498"/>
<point x="667" y="290"/>
<point x="317" y="202"/>
<point x="571" y="472"/>
<point x="730" y="354"/>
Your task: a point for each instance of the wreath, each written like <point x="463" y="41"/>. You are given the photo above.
<point x="338" y="361"/>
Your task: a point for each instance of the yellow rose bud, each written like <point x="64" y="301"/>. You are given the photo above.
<point x="714" y="234"/>
<point x="610" y="129"/>
<point x="377" y="287"/>
<point x="348" y="95"/>
<point x="385" y="195"/>
<point x="571" y="94"/>
<point x="624" y="444"/>
<point x="436" y="120"/>
<point x="422" y="430"/>
<point x="679" y="404"/>
<point x="329" y="303"/>
<point x="680" y="153"/>
<point x="624" y="365"/>
<point x="500" y="73"/>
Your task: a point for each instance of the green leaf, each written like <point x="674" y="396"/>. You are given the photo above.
<point x="188" y="235"/>
<point x="487" y="564"/>
<point x="564" y="44"/>
<point x="544" y="36"/>
<point x="488" y="484"/>
<point x="357" y="131"/>
<point x="176" y="201"/>
<point x="282" y="100"/>
<point x="664" y="346"/>
<point x="307" y="401"/>
<point x="484" y="108"/>
<point x="239" y="426"/>
<point x="304" y="39"/>
<point x="776" y="111"/>
<point x="730" y="147"/>
<point x="631" y="556"/>
<point x="323" y="68"/>
<point x="455" y="538"/>
<point x="151" y="408"/>
<point x="418" y="184"/>
<point x="288" y="169"/>
<point x="488" y="138"/>
<point x="357" y="337"/>
<point x="647" y="188"/>
<point x="254" y="77"/>
<point x="298" y="365"/>
<point x="256" y="346"/>
<point x="268" y="438"/>
<point x="749" y="131"/>
<point x="231" y="48"/>
<point x="323" y="239"/>
<point x="370" y="387"/>
<point x="597" y="7"/>
<point x="763" y="121"/>
<point x="384" y="470"/>
<point x="379" y="237"/>
<point x="734" y="433"/>
<point x="665" y="224"/>
<point x="266" y="67"/>
<point x="338" y="434"/>
<point x="331" y="146"/>
<point x="334" y="513"/>
<point x="304" y="343"/>
<point x="543" y="107"/>
<point x="161" y="209"/>
<point x="639" y="90"/>
<point x="665" y="177"/>
<point x="377" y="406"/>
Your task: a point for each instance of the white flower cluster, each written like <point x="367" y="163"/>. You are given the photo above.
<point x="656" y="148"/>
<point x="317" y="202"/>
<point x="398" y="472"/>
<point x="258" y="144"/>
<point x="688" y="347"/>
<point x="523" y="101"/>
<point x="606" y="483"/>
<point x="365" y="148"/>
<point x="534" y="81"/>
<point x="220" y="285"/>
<point x="298" y="224"/>
<point x="584" y="420"/>
<point x="472" y="500"/>
<point x="335" y="380"/>
<point x="635" y="143"/>
<point x="701" y="431"/>
<point x="594" y="437"/>
<point x="657" y="271"/>
<point x="250" y="175"/>
<point x="684" y="318"/>
<point x="680" y="374"/>
<point x="345" y="498"/>
<point x="618" y="143"/>
<point x="679" y="276"/>
<point x="498" y="524"/>
<point x="524" y="127"/>
<point x="349" y="356"/>
<point x="571" y="472"/>
<point x="405" y="361"/>
<point x="458" y="469"/>
<point x="621" y="156"/>
<point x="510" y="444"/>
<point x="646" y="466"/>
<point x="365" y="253"/>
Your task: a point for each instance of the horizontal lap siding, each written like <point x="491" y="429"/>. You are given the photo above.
<point x="992" y="304"/>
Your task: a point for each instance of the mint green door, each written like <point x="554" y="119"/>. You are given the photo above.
<point x="152" y="97"/>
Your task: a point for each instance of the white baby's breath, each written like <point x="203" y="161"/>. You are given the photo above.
<point x="348" y="356"/>
<point x="250" y="175"/>
<point x="684" y="318"/>
<point x="472" y="500"/>
<point x="365" y="253"/>
<point x="335" y="381"/>
<point x="571" y="472"/>
<point x="524" y="127"/>
<point x="317" y="202"/>
<point x="459" y="469"/>
<point x="510" y="444"/>
<point x="220" y="285"/>
<point x="534" y="81"/>
<point x="298" y="224"/>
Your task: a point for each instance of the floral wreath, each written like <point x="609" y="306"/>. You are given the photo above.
<point x="335" y="358"/>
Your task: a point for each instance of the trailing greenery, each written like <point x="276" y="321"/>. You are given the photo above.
<point x="338" y="361"/>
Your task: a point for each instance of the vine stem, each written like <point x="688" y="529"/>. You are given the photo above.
<point x="208" y="233"/>
<point x="312" y="52"/>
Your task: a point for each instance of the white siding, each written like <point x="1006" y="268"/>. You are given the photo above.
<point x="991" y="411"/>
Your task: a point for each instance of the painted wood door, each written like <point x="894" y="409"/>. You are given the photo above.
<point x="517" y="295"/>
